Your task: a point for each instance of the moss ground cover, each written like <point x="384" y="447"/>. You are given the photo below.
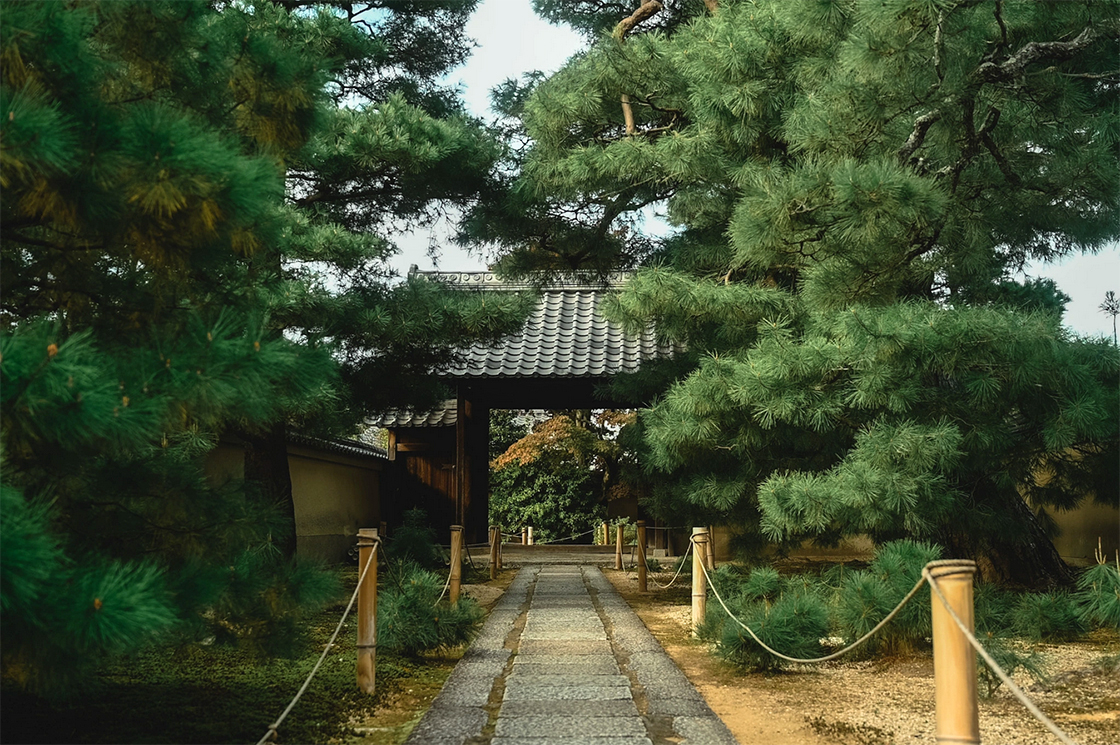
<point x="218" y="694"/>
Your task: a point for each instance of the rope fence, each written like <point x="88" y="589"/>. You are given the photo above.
<point x="927" y="576"/>
<point x="991" y="663"/>
<point x="680" y="569"/>
<point x="275" y="726"/>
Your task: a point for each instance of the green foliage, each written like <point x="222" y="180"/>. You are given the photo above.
<point x="866" y="597"/>
<point x="409" y="619"/>
<point x="1053" y="616"/>
<point x="554" y="478"/>
<point x="1009" y="660"/>
<point x="224" y="693"/>
<point x="415" y="542"/>
<point x="793" y="624"/>
<point x="557" y="501"/>
<point x="856" y="187"/>
<point x="1098" y="595"/>
<point x="197" y="204"/>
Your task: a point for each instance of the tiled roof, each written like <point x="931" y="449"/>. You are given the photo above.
<point x="392" y="418"/>
<point x="344" y="447"/>
<point x="566" y="334"/>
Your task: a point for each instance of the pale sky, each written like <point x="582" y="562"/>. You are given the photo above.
<point x="513" y="40"/>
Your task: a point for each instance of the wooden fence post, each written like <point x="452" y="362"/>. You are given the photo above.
<point x="699" y="585"/>
<point x="957" y="713"/>
<point x="367" y="610"/>
<point x="606" y="534"/>
<point x="710" y="554"/>
<point x="618" y="546"/>
<point x="530" y="535"/>
<point x="493" y="552"/>
<point x="383" y="530"/>
<point x="456" y="562"/>
<point x="524" y="537"/>
<point x="500" y="546"/>
<point x="642" y="570"/>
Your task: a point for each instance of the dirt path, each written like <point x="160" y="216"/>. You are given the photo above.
<point x="884" y="700"/>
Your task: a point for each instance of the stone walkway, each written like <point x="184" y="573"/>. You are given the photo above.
<point x="562" y="659"/>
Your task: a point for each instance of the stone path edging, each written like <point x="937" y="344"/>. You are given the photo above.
<point x="563" y="659"/>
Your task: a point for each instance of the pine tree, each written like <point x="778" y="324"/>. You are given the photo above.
<point x="856" y="185"/>
<point x="170" y="274"/>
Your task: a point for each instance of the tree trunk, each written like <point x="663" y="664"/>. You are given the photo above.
<point x="1029" y="560"/>
<point x="266" y="465"/>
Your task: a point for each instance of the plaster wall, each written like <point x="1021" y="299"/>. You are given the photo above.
<point x="1081" y="528"/>
<point x="334" y="496"/>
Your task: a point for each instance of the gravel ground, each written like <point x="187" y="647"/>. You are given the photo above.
<point x="887" y="700"/>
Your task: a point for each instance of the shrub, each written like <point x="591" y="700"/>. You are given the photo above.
<point x="1098" y="596"/>
<point x="762" y="584"/>
<point x="793" y="625"/>
<point x="409" y="619"/>
<point x="862" y="602"/>
<point x="415" y="542"/>
<point x="1047" y="615"/>
<point x="1010" y="660"/>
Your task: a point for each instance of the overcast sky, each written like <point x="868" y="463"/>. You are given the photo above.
<point x="513" y="40"/>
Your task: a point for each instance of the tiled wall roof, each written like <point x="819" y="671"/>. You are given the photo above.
<point x="392" y="418"/>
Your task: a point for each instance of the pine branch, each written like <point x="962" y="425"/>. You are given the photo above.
<point x="1057" y="51"/>
<point x="918" y="136"/>
<point x="646" y="10"/>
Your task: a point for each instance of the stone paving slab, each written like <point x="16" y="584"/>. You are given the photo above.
<point x="595" y="666"/>
<point x="605" y="681"/>
<point x="569" y="726"/>
<point x="569" y="741"/>
<point x="541" y="646"/>
<point x="612" y="708"/>
<point x="542" y="693"/>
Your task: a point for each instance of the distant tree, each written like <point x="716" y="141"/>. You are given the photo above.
<point x="1111" y="306"/>
<point x="557" y="478"/>
<point x="855" y="186"/>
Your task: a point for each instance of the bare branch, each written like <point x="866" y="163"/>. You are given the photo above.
<point x="918" y="136"/>
<point x="1035" y="51"/>
<point x="645" y="11"/>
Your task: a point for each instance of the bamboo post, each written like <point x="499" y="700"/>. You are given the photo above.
<point x="618" y="546"/>
<point x="456" y="562"/>
<point x="367" y="610"/>
<point x="606" y="534"/>
<point x="494" y="552"/>
<point x="642" y="571"/>
<point x="524" y="537"/>
<point x="699" y="585"/>
<point x="954" y="661"/>
<point x="710" y="554"/>
<point x="501" y="547"/>
<point x="530" y="535"/>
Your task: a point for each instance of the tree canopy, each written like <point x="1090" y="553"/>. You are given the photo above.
<point x="198" y="201"/>
<point x="856" y="186"/>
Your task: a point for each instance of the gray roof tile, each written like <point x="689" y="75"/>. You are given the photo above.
<point x="565" y="336"/>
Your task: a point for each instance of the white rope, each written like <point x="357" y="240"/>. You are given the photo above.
<point x="1018" y="692"/>
<point x="275" y="726"/>
<point x="826" y="658"/>
<point x="557" y="540"/>
<point x="445" y="586"/>
<point x="679" y="569"/>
